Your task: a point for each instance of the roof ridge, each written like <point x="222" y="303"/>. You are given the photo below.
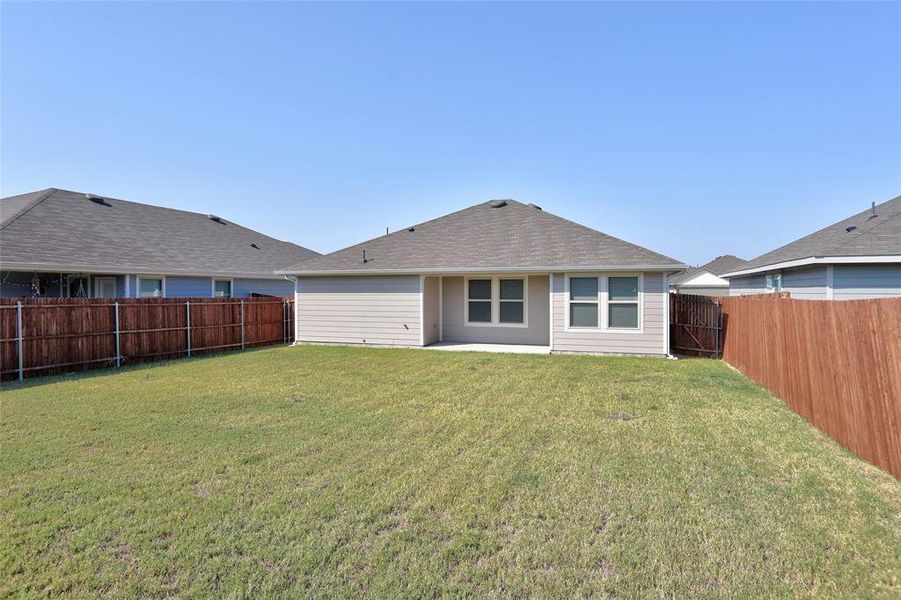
<point x="402" y="229"/>
<point x="47" y="193"/>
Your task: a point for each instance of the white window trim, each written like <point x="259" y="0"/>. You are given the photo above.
<point x="97" y="279"/>
<point x="231" y="286"/>
<point x="604" y="303"/>
<point x="138" y="285"/>
<point x="496" y="300"/>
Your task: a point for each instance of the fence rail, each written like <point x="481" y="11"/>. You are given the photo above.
<point x="836" y="363"/>
<point x="40" y="336"/>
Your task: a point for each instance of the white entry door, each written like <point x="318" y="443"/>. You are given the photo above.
<point x="104" y="287"/>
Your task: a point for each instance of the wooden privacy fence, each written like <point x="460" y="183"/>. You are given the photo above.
<point x="696" y="325"/>
<point x="41" y="336"/>
<point x="836" y="363"/>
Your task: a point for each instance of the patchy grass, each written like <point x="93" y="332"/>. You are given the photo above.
<point x="339" y="471"/>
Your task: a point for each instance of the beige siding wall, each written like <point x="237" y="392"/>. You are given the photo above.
<point x="651" y="340"/>
<point x="538" y="331"/>
<point x="431" y="309"/>
<point x="359" y="310"/>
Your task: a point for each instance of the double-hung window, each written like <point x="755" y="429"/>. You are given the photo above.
<point x="622" y="304"/>
<point x="773" y="282"/>
<point x="583" y="302"/>
<point x="604" y="302"/>
<point x="499" y="301"/>
<point x="478" y="299"/>
<point x="512" y="301"/>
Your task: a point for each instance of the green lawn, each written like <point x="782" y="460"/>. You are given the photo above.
<point x="339" y="471"/>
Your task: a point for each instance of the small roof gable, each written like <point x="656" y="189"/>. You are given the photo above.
<point x="498" y="235"/>
<point x="717" y="266"/>
<point x="873" y="232"/>
<point x="68" y="230"/>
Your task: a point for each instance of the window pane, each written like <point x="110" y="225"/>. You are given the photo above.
<point x="583" y="288"/>
<point x="583" y="315"/>
<point x="480" y="312"/>
<point x="511" y="312"/>
<point x="223" y="289"/>
<point x="624" y="288"/>
<point x="623" y="315"/>
<point x="151" y="287"/>
<point x="480" y="289"/>
<point x="512" y="289"/>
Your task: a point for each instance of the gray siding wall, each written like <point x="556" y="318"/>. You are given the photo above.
<point x="854" y="282"/>
<point x="747" y="284"/>
<point x="359" y="310"/>
<point x="805" y="284"/>
<point x="431" y="310"/>
<point x="538" y="331"/>
<point x="241" y="288"/>
<point x="651" y="340"/>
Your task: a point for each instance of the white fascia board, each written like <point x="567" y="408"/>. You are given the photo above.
<point x="107" y="270"/>
<point x="818" y="260"/>
<point x="463" y="271"/>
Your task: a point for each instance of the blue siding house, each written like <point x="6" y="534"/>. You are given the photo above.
<point x="855" y="259"/>
<point x="62" y="244"/>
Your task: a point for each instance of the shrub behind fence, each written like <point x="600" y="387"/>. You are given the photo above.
<point x="43" y="336"/>
<point x="836" y="363"/>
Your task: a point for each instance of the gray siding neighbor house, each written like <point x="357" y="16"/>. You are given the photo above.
<point x="499" y="272"/>
<point x="59" y="244"/>
<point x="857" y="258"/>
<point x="706" y="280"/>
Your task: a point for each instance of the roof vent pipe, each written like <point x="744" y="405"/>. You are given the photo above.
<point x="873" y="210"/>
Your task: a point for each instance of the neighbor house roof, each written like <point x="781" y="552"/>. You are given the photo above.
<point x="68" y="231"/>
<point x="871" y="234"/>
<point x="717" y="266"/>
<point x="500" y="235"/>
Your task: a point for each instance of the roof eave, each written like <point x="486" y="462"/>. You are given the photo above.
<point x="127" y="270"/>
<point x="816" y="260"/>
<point x="668" y="268"/>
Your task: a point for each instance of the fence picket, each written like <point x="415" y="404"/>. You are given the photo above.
<point x="835" y="363"/>
<point x="72" y="334"/>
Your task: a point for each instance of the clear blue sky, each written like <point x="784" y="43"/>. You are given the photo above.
<point x="693" y="129"/>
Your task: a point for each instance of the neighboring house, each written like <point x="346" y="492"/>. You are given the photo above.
<point x="56" y="243"/>
<point x="499" y="272"/>
<point x="706" y="280"/>
<point x="859" y="257"/>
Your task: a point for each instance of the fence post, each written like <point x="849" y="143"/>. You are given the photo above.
<point x="188" y="328"/>
<point x="284" y="321"/>
<point x="118" y="352"/>
<point x="242" y="324"/>
<point x="19" y="342"/>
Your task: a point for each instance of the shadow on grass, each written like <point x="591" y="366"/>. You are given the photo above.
<point x="108" y="371"/>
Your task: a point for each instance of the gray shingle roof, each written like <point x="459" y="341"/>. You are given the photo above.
<point x="717" y="266"/>
<point x="63" y="229"/>
<point x="481" y="238"/>
<point x="861" y="235"/>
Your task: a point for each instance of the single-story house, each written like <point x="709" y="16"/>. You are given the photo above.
<point x="857" y="258"/>
<point x="61" y="244"/>
<point x="706" y="280"/>
<point x="499" y="272"/>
